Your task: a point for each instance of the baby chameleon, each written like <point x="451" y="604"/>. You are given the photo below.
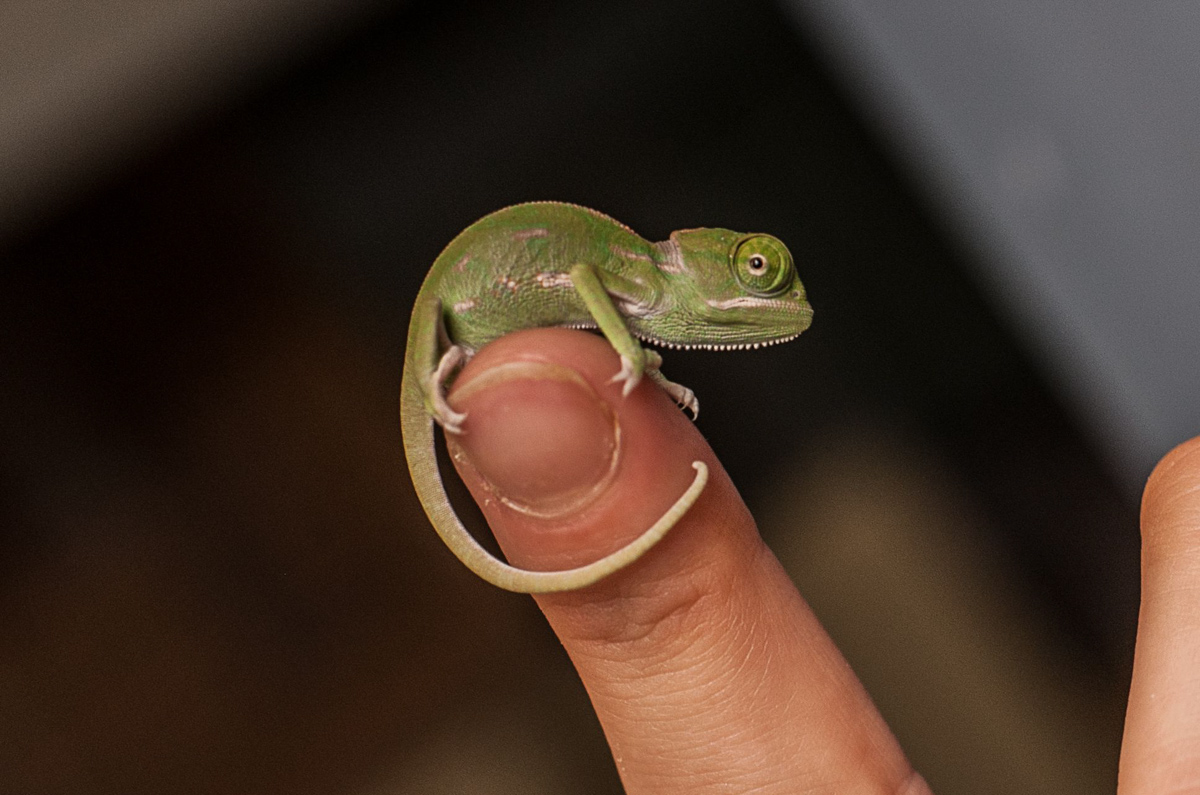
<point x="556" y="264"/>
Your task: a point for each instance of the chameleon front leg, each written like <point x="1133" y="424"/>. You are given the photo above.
<point x="635" y="360"/>
<point x="599" y="303"/>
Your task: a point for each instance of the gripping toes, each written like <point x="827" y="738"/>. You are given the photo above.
<point x="448" y="418"/>
<point x="435" y="389"/>
<point x="630" y="375"/>
<point x="683" y="397"/>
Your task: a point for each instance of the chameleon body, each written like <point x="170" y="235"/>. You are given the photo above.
<point x="556" y="264"/>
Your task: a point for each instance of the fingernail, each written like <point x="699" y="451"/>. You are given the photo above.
<point x="537" y="435"/>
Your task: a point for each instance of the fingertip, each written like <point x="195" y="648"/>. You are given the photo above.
<point x="1162" y="731"/>
<point x="1171" y="500"/>
<point x="567" y="468"/>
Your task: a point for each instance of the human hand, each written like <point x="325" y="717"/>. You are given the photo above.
<point x="707" y="669"/>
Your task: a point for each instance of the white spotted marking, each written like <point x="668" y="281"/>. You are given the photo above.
<point x="527" y="234"/>
<point x="750" y="302"/>
<point x="629" y="254"/>
<point x="463" y="306"/>
<point x="550" y="279"/>
<point x="461" y="265"/>
<point x="672" y="256"/>
<point x="630" y="306"/>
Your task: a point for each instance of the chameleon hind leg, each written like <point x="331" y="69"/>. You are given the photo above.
<point x="435" y="389"/>
<point x="683" y="397"/>
<point x="437" y="358"/>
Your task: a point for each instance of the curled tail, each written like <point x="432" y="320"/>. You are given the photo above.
<point x="417" y="427"/>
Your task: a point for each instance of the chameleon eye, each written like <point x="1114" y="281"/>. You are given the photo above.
<point x="762" y="265"/>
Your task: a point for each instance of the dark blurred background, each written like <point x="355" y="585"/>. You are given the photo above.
<point x="214" y="575"/>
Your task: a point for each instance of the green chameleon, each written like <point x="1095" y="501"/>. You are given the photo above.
<point x="556" y="264"/>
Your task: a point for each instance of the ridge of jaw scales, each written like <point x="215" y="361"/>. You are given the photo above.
<point x="733" y="346"/>
<point x="700" y="346"/>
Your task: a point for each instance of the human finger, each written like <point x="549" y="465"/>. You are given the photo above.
<point x="707" y="669"/>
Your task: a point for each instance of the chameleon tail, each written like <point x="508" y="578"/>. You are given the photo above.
<point x="418" y="432"/>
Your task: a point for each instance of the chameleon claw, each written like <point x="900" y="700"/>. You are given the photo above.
<point x="453" y="422"/>
<point x="683" y="397"/>
<point x="689" y="402"/>
<point x="434" y="385"/>
<point x="628" y="376"/>
<point x="450" y="420"/>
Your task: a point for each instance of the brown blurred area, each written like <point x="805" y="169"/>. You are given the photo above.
<point x="214" y="576"/>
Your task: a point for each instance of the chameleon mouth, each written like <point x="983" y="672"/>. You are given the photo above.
<point x="684" y="346"/>
<point x="735" y="346"/>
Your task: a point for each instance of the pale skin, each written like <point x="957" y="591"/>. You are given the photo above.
<point x="555" y="264"/>
<point x="707" y="669"/>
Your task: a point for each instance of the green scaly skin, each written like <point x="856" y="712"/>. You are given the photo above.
<point x="556" y="264"/>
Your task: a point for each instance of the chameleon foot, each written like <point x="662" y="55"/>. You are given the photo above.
<point x="683" y="397"/>
<point x="435" y="389"/>
<point x="629" y="375"/>
<point x="450" y="420"/>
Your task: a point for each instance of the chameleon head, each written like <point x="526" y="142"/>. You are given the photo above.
<point x="742" y="289"/>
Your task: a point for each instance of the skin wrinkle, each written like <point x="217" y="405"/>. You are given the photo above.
<point x="1175" y="515"/>
<point x="683" y="636"/>
<point x="629" y="619"/>
<point x="722" y="750"/>
<point x="745" y="644"/>
<point x="768" y="663"/>
<point x="715" y="704"/>
<point x="638" y="680"/>
<point x="795" y="707"/>
<point x="652" y="682"/>
<point x="1158" y="512"/>
<point x="661" y="611"/>
<point x="660" y="619"/>
<point x="714" y="749"/>
<point x="724" y="763"/>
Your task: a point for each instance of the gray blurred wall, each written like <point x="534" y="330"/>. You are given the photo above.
<point x="1063" y="139"/>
